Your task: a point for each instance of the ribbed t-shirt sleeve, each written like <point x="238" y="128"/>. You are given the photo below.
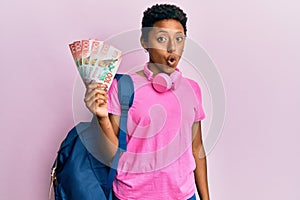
<point x="113" y="100"/>
<point x="198" y="109"/>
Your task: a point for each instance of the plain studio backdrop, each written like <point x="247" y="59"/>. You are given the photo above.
<point x="254" y="45"/>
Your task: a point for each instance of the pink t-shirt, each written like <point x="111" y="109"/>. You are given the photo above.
<point x="159" y="163"/>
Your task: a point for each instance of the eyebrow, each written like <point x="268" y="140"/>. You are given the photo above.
<point x="162" y="31"/>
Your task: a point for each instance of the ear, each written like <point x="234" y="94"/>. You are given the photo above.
<point x="144" y="43"/>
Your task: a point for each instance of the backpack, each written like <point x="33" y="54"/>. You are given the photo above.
<point x="76" y="173"/>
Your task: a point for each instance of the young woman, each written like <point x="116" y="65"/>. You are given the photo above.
<point x="165" y="156"/>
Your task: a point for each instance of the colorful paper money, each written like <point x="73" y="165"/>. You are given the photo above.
<point x="96" y="61"/>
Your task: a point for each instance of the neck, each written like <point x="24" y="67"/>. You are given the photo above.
<point x="153" y="68"/>
<point x="156" y="68"/>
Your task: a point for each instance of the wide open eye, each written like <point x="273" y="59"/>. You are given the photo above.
<point x="161" y="39"/>
<point x="179" y="39"/>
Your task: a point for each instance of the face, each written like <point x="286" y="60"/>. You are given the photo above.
<point x="165" y="45"/>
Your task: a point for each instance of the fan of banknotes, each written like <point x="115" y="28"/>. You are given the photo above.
<point x="97" y="61"/>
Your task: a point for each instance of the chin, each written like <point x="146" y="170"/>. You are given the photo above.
<point x="170" y="69"/>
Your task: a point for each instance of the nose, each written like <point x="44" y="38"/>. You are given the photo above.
<point x="171" y="46"/>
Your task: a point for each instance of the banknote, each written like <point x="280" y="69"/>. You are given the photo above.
<point x="96" y="61"/>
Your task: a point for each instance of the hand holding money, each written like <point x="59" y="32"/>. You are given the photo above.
<point x="96" y="61"/>
<point x="96" y="99"/>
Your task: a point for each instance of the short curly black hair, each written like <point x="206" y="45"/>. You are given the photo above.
<point x="160" y="12"/>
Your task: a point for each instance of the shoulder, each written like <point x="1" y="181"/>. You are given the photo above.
<point x="196" y="90"/>
<point x="193" y="84"/>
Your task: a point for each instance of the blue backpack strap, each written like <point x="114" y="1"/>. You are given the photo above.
<point x="126" y="96"/>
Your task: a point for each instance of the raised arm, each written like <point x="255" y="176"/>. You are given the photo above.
<point x="96" y="101"/>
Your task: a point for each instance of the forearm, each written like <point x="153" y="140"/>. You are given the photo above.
<point x="108" y="141"/>
<point x="108" y="130"/>
<point x="201" y="177"/>
<point x="104" y="141"/>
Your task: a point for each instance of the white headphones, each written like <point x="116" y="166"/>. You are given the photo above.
<point x="163" y="82"/>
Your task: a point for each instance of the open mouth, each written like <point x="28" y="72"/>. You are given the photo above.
<point x="171" y="60"/>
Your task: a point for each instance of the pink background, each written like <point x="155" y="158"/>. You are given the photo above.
<point x="255" y="45"/>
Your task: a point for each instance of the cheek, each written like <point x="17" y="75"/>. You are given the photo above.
<point x="156" y="53"/>
<point x="180" y="49"/>
<point x="180" y="52"/>
<point x="158" y="46"/>
<point x="181" y="45"/>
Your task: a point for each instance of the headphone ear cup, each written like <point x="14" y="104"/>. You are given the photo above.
<point x="162" y="82"/>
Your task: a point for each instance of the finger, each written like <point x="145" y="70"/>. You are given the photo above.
<point x="91" y="87"/>
<point x="93" y="99"/>
<point x="101" y="96"/>
<point x="87" y="82"/>
<point x="93" y="105"/>
<point x="96" y="89"/>
<point x="100" y="102"/>
<point x="95" y="93"/>
<point x="99" y="99"/>
<point x="103" y="87"/>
